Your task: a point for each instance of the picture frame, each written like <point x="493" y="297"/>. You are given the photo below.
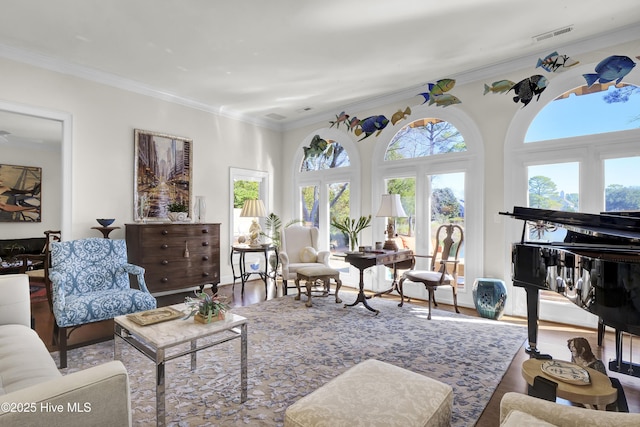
<point x="163" y="174"/>
<point x="20" y="193"/>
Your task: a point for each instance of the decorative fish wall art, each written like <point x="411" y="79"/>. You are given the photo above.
<point x="316" y="147"/>
<point x="400" y="115"/>
<point x="555" y="63"/>
<point x="371" y="125"/>
<point x="609" y="69"/>
<point x="527" y="88"/>
<point x="340" y="118"/>
<point x="501" y="86"/>
<point x="437" y="95"/>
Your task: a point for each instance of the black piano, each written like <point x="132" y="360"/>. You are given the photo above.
<point x="596" y="266"/>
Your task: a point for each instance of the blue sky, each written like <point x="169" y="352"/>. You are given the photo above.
<point x="584" y="115"/>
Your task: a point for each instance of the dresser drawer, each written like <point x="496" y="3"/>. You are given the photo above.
<point x="175" y="256"/>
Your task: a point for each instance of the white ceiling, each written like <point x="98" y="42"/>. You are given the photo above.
<point x="296" y="59"/>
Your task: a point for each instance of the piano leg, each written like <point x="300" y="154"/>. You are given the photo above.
<point x="533" y="302"/>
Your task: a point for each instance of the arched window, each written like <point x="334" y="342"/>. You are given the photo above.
<point x="327" y="154"/>
<point x="327" y="184"/>
<point x="575" y="150"/>
<point x="429" y="160"/>
<point x="425" y="137"/>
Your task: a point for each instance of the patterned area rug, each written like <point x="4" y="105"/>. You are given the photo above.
<point x="293" y="350"/>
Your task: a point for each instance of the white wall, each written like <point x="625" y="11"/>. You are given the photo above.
<point x="104" y="119"/>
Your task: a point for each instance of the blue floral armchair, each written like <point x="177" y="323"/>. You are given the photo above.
<point x="90" y="280"/>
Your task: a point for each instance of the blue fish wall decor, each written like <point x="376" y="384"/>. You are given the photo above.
<point x="609" y="69"/>
<point x="371" y="125"/>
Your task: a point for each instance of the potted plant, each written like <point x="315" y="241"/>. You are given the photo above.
<point x="178" y="211"/>
<point x="273" y="226"/>
<point x="206" y="308"/>
<point x="351" y="227"/>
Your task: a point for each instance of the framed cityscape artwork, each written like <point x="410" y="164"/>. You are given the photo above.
<point x="162" y="175"/>
<point x="20" y="193"/>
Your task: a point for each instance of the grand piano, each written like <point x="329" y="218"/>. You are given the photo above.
<point x="596" y="266"/>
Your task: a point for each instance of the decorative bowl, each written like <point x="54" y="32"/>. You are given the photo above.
<point x="105" y="222"/>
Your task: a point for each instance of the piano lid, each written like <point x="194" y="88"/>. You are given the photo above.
<point x="607" y="223"/>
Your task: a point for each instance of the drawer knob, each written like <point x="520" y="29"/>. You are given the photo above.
<point x="164" y="246"/>
<point x="165" y="262"/>
<point x="165" y="232"/>
<point x="205" y="230"/>
<point x="205" y="243"/>
<point x="205" y="257"/>
<point x="164" y="280"/>
<point x="205" y="274"/>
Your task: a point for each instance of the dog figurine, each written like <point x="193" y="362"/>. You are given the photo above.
<point x="582" y="355"/>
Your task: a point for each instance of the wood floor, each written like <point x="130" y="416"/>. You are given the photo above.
<point x="552" y="339"/>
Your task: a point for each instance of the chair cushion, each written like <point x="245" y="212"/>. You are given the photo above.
<point x="101" y="305"/>
<point x="308" y="254"/>
<point x="318" y="271"/>
<point x="428" y="276"/>
<point x="520" y="419"/>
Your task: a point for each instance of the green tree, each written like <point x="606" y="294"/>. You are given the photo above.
<point x="406" y="188"/>
<point x="244" y="190"/>
<point x="621" y="198"/>
<point x="425" y="138"/>
<point x="543" y="192"/>
<point x="444" y="205"/>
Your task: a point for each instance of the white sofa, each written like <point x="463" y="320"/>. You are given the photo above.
<point x="32" y="390"/>
<point x="519" y="410"/>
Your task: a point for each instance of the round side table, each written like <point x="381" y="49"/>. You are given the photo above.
<point x="105" y="230"/>
<point x="598" y="394"/>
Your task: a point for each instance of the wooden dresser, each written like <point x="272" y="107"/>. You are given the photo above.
<point x="175" y="255"/>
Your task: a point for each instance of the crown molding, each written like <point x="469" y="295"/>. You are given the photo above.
<point x="108" y="79"/>
<point x="619" y="36"/>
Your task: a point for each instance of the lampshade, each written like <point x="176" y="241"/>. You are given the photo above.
<point x="253" y="208"/>
<point x="391" y="207"/>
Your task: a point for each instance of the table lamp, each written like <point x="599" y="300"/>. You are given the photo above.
<point x="391" y="207"/>
<point x="254" y="209"/>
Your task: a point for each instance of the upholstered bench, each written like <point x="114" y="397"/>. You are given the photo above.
<point x="311" y="274"/>
<point x="374" y="393"/>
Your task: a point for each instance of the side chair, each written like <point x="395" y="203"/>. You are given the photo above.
<point x="90" y="280"/>
<point x="39" y="277"/>
<point x="443" y="269"/>
<point x="299" y="249"/>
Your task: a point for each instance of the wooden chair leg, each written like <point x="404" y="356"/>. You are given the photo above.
<point x="62" y="347"/>
<point x="431" y="296"/>
<point x="284" y="286"/>
<point x="455" y="298"/>
<point x="401" y="293"/>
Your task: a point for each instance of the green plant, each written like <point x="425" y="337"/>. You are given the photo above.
<point x="177" y="207"/>
<point x="350" y="227"/>
<point x="207" y="305"/>
<point x="273" y="225"/>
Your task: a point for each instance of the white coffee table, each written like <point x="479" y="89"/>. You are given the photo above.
<point x="154" y="340"/>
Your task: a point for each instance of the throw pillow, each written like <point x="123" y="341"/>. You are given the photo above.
<point x="308" y="254"/>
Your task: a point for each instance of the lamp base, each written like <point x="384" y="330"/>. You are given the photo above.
<point x="390" y="245"/>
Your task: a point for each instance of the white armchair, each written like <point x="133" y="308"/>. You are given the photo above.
<point x="299" y="249"/>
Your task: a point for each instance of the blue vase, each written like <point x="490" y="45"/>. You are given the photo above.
<point x="489" y="297"/>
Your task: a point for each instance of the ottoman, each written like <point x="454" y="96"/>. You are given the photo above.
<point x="311" y="275"/>
<point x="374" y="393"/>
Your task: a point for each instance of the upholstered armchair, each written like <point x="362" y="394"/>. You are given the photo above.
<point x="299" y="248"/>
<point x="90" y="279"/>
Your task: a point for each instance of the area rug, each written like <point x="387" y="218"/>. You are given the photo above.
<point x="294" y="350"/>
